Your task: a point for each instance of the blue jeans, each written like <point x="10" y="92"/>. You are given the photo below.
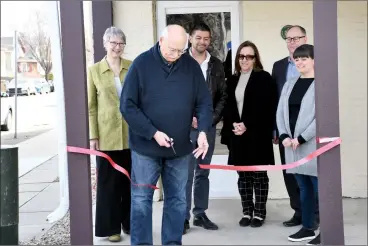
<point x="174" y="173"/>
<point x="201" y="181"/>
<point x="308" y="186"/>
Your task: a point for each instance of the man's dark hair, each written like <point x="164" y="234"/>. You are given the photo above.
<point x="200" y="26"/>
<point x="304" y="51"/>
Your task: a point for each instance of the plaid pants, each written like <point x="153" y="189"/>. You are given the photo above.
<point x="257" y="182"/>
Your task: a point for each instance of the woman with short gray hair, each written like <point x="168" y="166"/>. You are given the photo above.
<point x="109" y="134"/>
<point x="113" y="32"/>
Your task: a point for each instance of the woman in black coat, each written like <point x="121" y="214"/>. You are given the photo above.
<point x="249" y="117"/>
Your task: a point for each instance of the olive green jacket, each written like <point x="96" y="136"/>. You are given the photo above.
<point x="105" y="120"/>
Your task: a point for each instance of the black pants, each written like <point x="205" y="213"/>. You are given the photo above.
<point x="257" y="182"/>
<point x="113" y="194"/>
<point x="293" y="189"/>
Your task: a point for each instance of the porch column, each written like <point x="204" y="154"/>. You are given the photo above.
<point x="327" y="119"/>
<point x="75" y="89"/>
<point x="101" y="19"/>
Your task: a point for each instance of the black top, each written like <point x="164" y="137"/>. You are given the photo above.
<point x="253" y="147"/>
<point x="295" y="101"/>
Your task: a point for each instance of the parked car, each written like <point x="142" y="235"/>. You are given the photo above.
<point x="6" y="112"/>
<point x="42" y="87"/>
<point x="24" y="87"/>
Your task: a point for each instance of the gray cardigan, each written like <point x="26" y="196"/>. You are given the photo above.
<point x="305" y="126"/>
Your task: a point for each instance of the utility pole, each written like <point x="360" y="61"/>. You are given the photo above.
<point x="15" y="82"/>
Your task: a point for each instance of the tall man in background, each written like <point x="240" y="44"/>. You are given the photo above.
<point x="213" y="72"/>
<point x="282" y="71"/>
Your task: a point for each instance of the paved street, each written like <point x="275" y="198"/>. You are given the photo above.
<point x="36" y="114"/>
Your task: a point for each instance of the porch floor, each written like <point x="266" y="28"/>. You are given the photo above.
<point x="227" y="212"/>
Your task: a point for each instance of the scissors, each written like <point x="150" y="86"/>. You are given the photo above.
<point x="172" y="145"/>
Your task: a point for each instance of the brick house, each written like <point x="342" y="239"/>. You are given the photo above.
<point x="27" y="64"/>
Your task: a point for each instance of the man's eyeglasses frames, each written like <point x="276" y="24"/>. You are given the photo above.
<point x="294" y="39"/>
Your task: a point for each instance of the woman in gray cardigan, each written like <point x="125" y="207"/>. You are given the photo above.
<point x="297" y="127"/>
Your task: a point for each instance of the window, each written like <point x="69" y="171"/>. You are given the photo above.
<point x="23" y="67"/>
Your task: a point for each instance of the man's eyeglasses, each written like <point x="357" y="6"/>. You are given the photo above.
<point x="294" y="39"/>
<point x="247" y="57"/>
<point x="176" y="51"/>
<point x="116" y="43"/>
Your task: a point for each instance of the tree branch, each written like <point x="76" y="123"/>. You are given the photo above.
<point x="37" y="43"/>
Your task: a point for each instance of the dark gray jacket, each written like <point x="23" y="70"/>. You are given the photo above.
<point x="217" y="86"/>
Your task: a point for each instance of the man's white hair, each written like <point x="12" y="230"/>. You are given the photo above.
<point x="165" y="34"/>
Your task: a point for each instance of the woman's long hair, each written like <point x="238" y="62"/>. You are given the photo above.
<point x="257" y="64"/>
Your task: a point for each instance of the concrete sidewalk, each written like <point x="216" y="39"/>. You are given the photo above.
<point x="38" y="197"/>
<point x="38" y="183"/>
<point x="227" y="213"/>
<point x="37" y="150"/>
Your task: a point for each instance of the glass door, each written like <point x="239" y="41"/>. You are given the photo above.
<point x="223" y="17"/>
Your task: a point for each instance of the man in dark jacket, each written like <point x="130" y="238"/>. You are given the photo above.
<point x="161" y="91"/>
<point x="282" y="71"/>
<point x="213" y="72"/>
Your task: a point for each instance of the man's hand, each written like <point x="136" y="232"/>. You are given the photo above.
<point x="202" y="146"/>
<point x="295" y="143"/>
<point x="93" y="144"/>
<point x="287" y="142"/>
<point x="162" y="139"/>
<point x="275" y="140"/>
<point x="194" y="123"/>
<point x="239" y="128"/>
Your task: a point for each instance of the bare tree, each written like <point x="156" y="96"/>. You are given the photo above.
<point x="37" y="42"/>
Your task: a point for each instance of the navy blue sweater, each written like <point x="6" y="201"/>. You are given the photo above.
<point x="159" y="97"/>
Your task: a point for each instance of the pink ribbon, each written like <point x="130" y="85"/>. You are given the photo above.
<point x="332" y="142"/>
<point x="113" y="164"/>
